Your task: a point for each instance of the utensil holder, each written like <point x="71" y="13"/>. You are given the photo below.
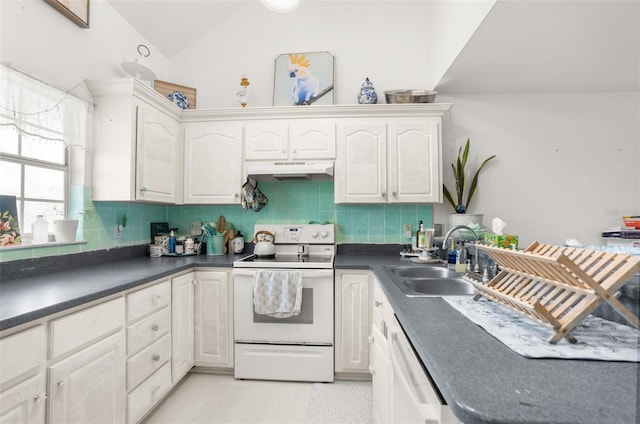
<point x="215" y="245"/>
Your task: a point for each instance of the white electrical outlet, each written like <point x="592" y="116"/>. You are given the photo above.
<point x="408" y="230"/>
<point x="196" y="228"/>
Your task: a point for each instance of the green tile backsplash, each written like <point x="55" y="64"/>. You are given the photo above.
<point x="289" y="202"/>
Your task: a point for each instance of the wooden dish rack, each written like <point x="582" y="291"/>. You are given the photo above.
<point x="558" y="286"/>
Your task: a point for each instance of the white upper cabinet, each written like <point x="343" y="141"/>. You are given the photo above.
<point x="391" y="160"/>
<point x="305" y="139"/>
<point x="413" y="166"/>
<point x="137" y="145"/>
<point x="157" y="151"/>
<point x="361" y="166"/>
<point x="213" y="158"/>
<point x="312" y="139"/>
<point x="266" y="141"/>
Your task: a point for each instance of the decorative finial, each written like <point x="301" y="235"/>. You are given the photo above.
<point x="242" y="94"/>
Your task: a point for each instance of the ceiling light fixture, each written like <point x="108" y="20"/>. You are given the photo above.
<point x="282" y="6"/>
<point x="138" y="68"/>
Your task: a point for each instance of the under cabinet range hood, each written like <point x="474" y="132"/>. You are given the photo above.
<point x="290" y="170"/>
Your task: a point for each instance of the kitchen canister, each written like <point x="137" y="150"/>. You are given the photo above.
<point x="189" y="246"/>
<point x="215" y="245"/>
<point x="155" y="250"/>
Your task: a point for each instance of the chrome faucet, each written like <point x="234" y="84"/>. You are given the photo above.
<point x="456" y="228"/>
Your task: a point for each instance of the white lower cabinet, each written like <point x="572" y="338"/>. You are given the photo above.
<point x="24" y="403"/>
<point x="182" y="325"/>
<point x="214" y="319"/>
<point x="89" y="386"/>
<point x="142" y="399"/>
<point x="352" y="308"/>
<point x="402" y="391"/>
<point x="380" y="361"/>
<point x="148" y="348"/>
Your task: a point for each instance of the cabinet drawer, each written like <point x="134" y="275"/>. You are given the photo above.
<point x="80" y="328"/>
<point x="147" y="300"/>
<point x="147" y="330"/>
<point x="22" y="353"/>
<point x="142" y="399"/>
<point x="147" y="361"/>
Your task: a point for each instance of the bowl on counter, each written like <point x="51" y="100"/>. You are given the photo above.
<point x="410" y="96"/>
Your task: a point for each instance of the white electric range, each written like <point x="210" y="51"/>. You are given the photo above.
<point x="296" y="348"/>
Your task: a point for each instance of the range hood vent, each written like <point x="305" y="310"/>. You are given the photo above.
<point x="290" y="170"/>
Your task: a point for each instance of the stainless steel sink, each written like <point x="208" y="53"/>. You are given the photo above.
<point x="429" y="281"/>
<point x="423" y="271"/>
<point x="437" y="287"/>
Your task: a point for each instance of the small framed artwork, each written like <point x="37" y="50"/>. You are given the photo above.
<point x="76" y="10"/>
<point x="303" y="79"/>
<point x="9" y="227"/>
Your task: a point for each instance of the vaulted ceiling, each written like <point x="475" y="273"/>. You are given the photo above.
<point x="522" y="46"/>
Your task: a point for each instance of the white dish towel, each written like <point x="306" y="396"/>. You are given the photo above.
<point x="277" y="293"/>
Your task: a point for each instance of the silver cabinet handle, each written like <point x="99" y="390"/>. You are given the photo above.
<point x="384" y="194"/>
<point x="377" y="304"/>
<point x="143" y="189"/>
<point x="155" y="357"/>
<point x="61" y="383"/>
<point x="155" y="327"/>
<point x="38" y="398"/>
<point x="394" y="194"/>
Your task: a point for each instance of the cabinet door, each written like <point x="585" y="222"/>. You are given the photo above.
<point x="380" y="359"/>
<point x="213" y="164"/>
<point x="24" y="403"/>
<point x="182" y="325"/>
<point x="266" y="141"/>
<point x="89" y="386"/>
<point x="414" y="162"/>
<point x="214" y="320"/>
<point x="352" y="321"/>
<point x="361" y="164"/>
<point x="312" y="140"/>
<point x="380" y="376"/>
<point x="157" y="171"/>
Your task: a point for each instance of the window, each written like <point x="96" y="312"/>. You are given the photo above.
<point x="39" y="124"/>
<point x="36" y="172"/>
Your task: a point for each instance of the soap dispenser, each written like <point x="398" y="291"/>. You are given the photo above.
<point x="420" y="236"/>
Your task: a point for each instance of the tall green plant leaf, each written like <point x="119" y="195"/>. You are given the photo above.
<point x="448" y="196"/>
<point x="474" y="181"/>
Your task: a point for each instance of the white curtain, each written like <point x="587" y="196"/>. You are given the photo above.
<point x="37" y="109"/>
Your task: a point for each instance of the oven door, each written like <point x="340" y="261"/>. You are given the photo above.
<point x="314" y="324"/>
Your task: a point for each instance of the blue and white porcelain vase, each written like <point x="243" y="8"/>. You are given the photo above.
<point x="367" y="94"/>
<point x="179" y="99"/>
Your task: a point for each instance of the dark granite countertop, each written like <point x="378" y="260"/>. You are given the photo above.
<point x="26" y="299"/>
<point x="483" y="381"/>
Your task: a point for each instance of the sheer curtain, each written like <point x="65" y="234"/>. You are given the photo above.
<point x="37" y="109"/>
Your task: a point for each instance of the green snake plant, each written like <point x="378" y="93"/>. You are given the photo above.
<point x="459" y="175"/>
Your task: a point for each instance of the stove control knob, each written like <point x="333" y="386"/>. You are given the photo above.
<point x="324" y="234"/>
<point x="314" y="234"/>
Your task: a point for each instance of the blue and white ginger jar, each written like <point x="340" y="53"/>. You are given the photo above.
<point x="180" y="99"/>
<point x="367" y="94"/>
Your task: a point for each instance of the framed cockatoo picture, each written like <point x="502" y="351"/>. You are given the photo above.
<point x="303" y="79"/>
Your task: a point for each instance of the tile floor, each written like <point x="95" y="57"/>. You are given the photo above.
<point x="212" y="398"/>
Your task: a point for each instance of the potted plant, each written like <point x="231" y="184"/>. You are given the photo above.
<point x="459" y="205"/>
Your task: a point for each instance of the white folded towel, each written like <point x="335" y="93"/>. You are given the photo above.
<point x="277" y="293"/>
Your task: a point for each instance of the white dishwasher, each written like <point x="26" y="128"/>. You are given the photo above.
<point x="414" y="398"/>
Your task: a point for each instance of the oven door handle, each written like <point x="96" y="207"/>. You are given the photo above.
<point x="306" y="273"/>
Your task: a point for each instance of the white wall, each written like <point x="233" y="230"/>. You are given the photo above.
<point x="567" y="165"/>
<point x="37" y="39"/>
<point x="397" y="44"/>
